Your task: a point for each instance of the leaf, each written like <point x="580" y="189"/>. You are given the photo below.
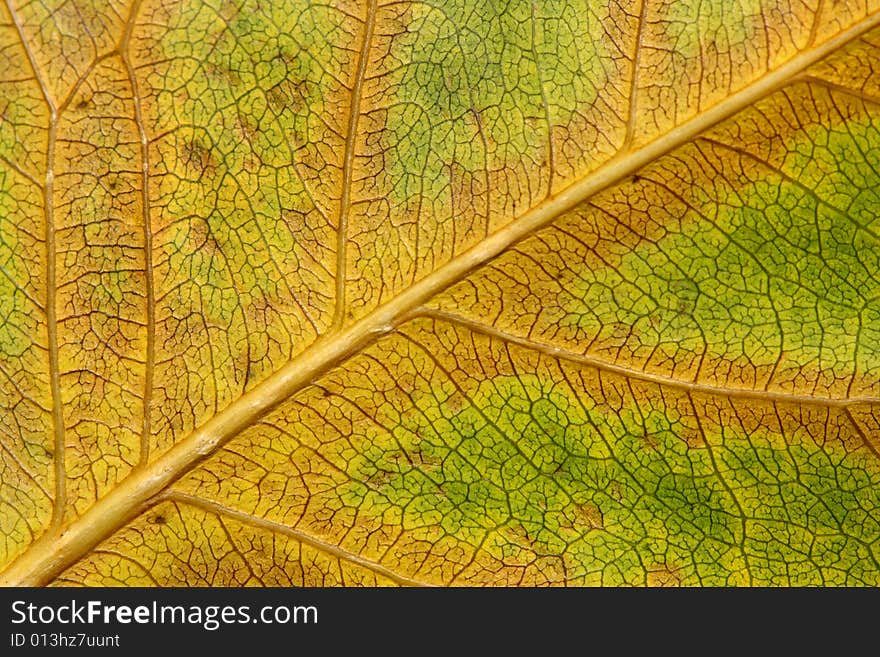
<point x="439" y="293"/>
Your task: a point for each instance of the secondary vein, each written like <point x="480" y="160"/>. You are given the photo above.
<point x="149" y="366"/>
<point x="348" y="164"/>
<point x="60" y="497"/>
<point x="302" y="537"/>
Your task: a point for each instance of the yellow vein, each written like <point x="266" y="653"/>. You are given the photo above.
<point x="862" y="435"/>
<point x="302" y="537"/>
<point x="640" y="375"/>
<point x="860" y="94"/>
<point x="348" y="164"/>
<point x="634" y="83"/>
<point x="56" y="550"/>
<point x="149" y="366"/>
<point x="551" y="154"/>
<point x="60" y="501"/>
<point x="814" y="28"/>
<point x="24" y="174"/>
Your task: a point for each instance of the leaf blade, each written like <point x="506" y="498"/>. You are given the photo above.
<point x="50" y="555"/>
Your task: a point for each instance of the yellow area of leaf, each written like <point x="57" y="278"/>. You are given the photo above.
<point x="439" y="292"/>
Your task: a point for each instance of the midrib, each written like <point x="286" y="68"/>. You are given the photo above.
<point x="58" y="549"/>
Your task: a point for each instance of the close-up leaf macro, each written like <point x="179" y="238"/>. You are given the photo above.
<point x="440" y="292"/>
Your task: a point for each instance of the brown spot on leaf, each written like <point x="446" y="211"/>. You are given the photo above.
<point x="291" y="93"/>
<point x="589" y="515"/>
<point x="663" y="576"/>
<point x="649" y="441"/>
<point x="197" y="156"/>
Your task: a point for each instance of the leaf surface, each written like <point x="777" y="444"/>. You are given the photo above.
<point x="505" y="293"/>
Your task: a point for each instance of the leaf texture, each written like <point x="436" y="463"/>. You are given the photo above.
<point x="398" y="293"/>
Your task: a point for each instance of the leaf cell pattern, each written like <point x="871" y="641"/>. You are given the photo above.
<point x="362" y="292"/>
